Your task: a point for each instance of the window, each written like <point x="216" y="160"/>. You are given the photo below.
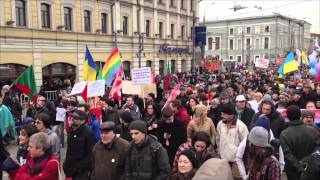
<point x="231" y="44"/>
<point x="182" y="4"/>
<point x="266" y="43"/>
<point x="148" y="28"/>
<point x="231" y="31"/>
<point x="67" y="18"/>
<point x="20" y="13"/>
<point x="182" y="32"/>
<point x="125" y="25"/>
<point x="239" y="58"/>
<point x="45" y="15"/>
<point x="257" y="44"/>
<point x="248" y="43"/>
<point x="217" y="43"/>
<point x="266" y="29"/>
<point x="104" y="20"/>
<point x="172" y="31"/>
<point x="210" y="43"/>
<point x="248" y="30"/>
<point x="161" y="29"/>
<point x="87" y="21"/>
<point x="172" y="3"/>
<point x="239" y="44"/>
<point x="231" y="57"/>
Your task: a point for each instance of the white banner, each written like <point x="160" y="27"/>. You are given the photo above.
<point x="141" y="76"/>
<point x="262" y="63"/>
<point x="96" y="88"/>
<point x="78" y="88"/>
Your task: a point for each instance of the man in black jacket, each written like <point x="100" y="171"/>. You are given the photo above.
<point x="244" y="113"/>
<point x="171" y="133"/>
<point x="146" y="159"/>
<point x="297" y="142"/>
<point x="79" y="150"/>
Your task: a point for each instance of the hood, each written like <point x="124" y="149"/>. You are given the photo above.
<point x="214" y="169"/>
<point x="274" y="113"/>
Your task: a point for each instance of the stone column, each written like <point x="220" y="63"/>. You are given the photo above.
<point x="37" y="67"/>
<point x="79" y="67"/>
<point x="179" y="63"/>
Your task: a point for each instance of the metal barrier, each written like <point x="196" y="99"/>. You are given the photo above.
<point x="50" y="95"/>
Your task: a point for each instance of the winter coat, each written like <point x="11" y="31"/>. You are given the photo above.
<point x="33" y="111"/>
<point x="134" y="111"/>
<point x="178" y="136"/>
<point x="49" y="169"/>
<point x="229" y="137"/>
<point x="277" y="122"/>
<point x="207" y="127"/>
<point x="94" y="125"/>
<point x="212" y="169"/>
<point x="179" y="176"/>
<point x="80" y="143"/>
<point x="108" y="160"/>
<point x="183" y="115"/>
<point x="111" y="115"/>
<point x="246" y="116"/>
<point x="297" y="142"/>
<point x="215" y="115"/>
<point x="124" y="132"/>
<point x="147" y="161"/>
<point x="13" y="104"/>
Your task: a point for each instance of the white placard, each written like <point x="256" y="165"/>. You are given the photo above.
<point x="262" y="63"/>
<point x="141" y="76"/>
<point x="61" y="114"/>
<point x="78" y="88"/>
<point x="96" y="88"/>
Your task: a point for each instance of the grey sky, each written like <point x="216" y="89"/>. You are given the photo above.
<point x="299" y="9"/>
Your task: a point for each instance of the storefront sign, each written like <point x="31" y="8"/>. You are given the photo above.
<point x="166" y="49"/>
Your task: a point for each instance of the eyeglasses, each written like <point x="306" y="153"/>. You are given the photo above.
<point x="37" y="122"/>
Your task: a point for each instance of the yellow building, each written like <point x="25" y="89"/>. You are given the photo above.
<point x="52" y="35"/>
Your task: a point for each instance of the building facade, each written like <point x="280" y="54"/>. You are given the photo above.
<point x="52" y="35"/>
<point x="241" y="41"/>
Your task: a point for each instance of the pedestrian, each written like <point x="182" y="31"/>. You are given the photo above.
<point x="110" y="112"/>
<point x="244" y="113"/>
<point x="151" y="118"/>
<point x="230" y="132"/>
<point x="41" y="164"/>
<point x="131" y="107"/>
<point x="146" y="159"/>
<point x="307" y="117"/>
<point x="180" y="112"/>
<point x="80" y="142"/>
<point x="92" y="121"/>
<point x="297" y="142"/>
<point x="214" y="112"/>
<point x="38" y="107"/>
<point x="192" y="102"/>
<point x="123" y="127"/>
<point x="187" y="166"/>
<point x="171" y="133"/>
<point x="109" y="154"/>
<point x="24" y="136"/>
<point x="7" y="124"/>
<point x="214" y="169"/>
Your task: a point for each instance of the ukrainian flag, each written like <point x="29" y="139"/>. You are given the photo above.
<point x="89" y="67"/>
<point x="304" y="58"/>
<point x="288" y="65"/>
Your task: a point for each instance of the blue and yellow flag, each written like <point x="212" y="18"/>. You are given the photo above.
<point x="304" y="59"/>
<point x="288" y="65"/>
<point x="89" y="67"/>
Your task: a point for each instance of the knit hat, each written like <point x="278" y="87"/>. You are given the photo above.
<point x="126" y="117"/>
<point x="79" y="115"/>
<point x="110" y="103"/>
<point x="259" y="136"/>
<point x="214" y="169"/>
<point x="264" y="122"/>
<point x="228" y="109"/>
<point x="138" y="125"/>
<point x="191" y="156"/>
<point x="108" y="126"/>
<point x="307" y="113"/>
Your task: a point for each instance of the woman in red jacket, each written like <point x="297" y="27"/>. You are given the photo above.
<point x="41" y="164"/>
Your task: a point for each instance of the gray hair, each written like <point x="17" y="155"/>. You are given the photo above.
<point x="41" y="141"/>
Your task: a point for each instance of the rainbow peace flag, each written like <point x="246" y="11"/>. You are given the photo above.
<point x="112" y="66"/>
<point x="89" y="67"/>
<point x="288" y="65"/>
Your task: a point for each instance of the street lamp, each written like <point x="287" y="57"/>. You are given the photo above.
<point x="141" y="42"/>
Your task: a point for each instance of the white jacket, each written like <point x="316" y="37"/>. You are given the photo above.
<point x="240" y="153"/>
<point x="229" y="138"/>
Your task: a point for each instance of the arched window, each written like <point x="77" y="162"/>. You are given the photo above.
<point x="21" y="13"/>
<point x="10" y="72"/>
<point x="45" y="15"/>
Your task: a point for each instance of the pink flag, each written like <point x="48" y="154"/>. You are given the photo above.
<point x="115" y="91"/>
<point x="173" y="94"/>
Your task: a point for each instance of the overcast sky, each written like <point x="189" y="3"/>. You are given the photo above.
<point x="308" y="10"/>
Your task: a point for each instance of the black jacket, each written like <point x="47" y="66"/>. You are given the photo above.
<point x="79" y="151"/>
<point x="33" y="111"/>
<point x="111" y="115"/>
<point x="297" y="142"/>
<point x="246" y="116"/>
<point x="178" y="134"/>
<point x="215" y="115"/>
<point x="147" y="161"/>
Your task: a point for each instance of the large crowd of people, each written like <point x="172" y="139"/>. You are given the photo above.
<point x="239" y="124"/>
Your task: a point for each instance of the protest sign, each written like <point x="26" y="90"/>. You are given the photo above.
<point x="262" y="63"/>
<point x="78" y="88"/>
<point x="141" y="76"/>
<point x="96" y="88"/>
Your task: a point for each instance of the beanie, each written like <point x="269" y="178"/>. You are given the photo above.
<point x="228" y="109"/>
<point x="138" y="125"/>
<point x="110" y="103"/>
<point x="264" y="122"/>
<point x="191" y="156"/>
<point x="259" y="136"/>
<point x="307" y="113"/>
<point x="126" y="117"/>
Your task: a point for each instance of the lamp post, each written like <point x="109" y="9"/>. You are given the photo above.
<point x="141" y="45"/>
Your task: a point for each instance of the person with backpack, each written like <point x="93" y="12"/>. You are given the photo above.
<point x="147" y="159"/>
<point x="298" y="141"/>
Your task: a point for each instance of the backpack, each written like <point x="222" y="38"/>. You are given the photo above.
<point x="311" y="166"/>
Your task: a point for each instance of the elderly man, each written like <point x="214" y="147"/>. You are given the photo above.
<point x="109" y="154"/>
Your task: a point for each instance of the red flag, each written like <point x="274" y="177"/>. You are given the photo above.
<point x="84" y="93"/>
<point x="173" y="94"/>
<point x="167" y="80"/>
<point x="115" y="91"/>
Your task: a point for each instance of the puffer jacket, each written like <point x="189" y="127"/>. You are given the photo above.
<point x="147" y="161"/>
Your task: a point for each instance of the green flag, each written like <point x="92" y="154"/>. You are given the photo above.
<point x="100" y="71"/>
<point x="26" y="83"/>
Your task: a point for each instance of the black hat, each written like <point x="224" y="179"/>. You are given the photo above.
<point x="108" y="126"/>
<point x="79" y="115"/>
<point x="191" y="156"/>
<point x="167" y="112"/>
<point x="126" y="117"/>
<point x="110" y="103"/>
<point x="228" y="109"/>
<point x="138" y="125"/>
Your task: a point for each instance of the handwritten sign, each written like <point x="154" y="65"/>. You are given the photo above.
<point x="96" y="88"/>
<point x="283" y="113"/>
<point x="141" y="76"/>
<point x="78" y="88"/>
<point x="262" y="63"/>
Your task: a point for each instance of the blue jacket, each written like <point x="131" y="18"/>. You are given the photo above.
<point x="94" y="125"/>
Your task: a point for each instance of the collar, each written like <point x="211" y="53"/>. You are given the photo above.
<point x="109" y="145"/>
<point x="295" y="123"/>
